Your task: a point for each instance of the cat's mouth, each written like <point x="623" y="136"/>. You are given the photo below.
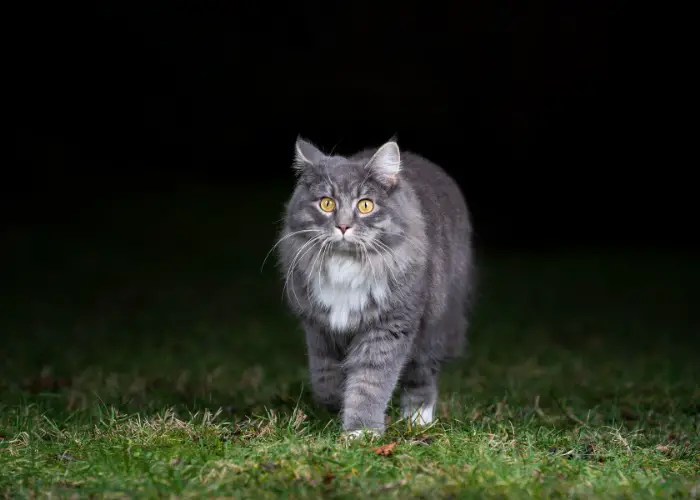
<point x="344" y="243"/>
<point x="346" y="246"/>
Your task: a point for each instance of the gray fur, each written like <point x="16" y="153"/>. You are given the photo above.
<point x="391" y="305"/>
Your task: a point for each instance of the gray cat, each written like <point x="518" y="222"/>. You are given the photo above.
<point x="377" y="257"/>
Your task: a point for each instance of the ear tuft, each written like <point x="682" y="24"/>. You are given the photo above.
<point x="306" y="155"/>
<point x="386" y="163"/>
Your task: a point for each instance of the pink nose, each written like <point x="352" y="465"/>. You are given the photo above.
<point x="343" y="228"/>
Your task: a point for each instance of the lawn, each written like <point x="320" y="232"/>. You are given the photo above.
<point x="146" y="354"/>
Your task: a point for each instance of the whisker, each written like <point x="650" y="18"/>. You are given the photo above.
<point x="325" y="251"/>
<point x="321" y="242"/>
<point x="388" y="266"/>
<point x="418" y="244"/>
<point x="298" y="255"/>
<point x="295" y="260"/>
<point x="313" y="264"/>
<point x="369" y="261"/>
<point x="284" y="238"/>
<point x="397" y="259"/>
<point x="295" y="257"/>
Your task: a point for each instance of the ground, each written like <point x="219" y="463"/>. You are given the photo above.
<point x="146" y="353"/>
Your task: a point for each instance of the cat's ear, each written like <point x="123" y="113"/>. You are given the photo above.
<point x="386" y="163"/>
<point x="306" y="155"/>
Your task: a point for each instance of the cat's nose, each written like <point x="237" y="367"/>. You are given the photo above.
<point x="343" y="228"/>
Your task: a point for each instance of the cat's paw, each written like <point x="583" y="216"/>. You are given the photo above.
<point x="423" y="416"/>
<point x="369" y="434"/>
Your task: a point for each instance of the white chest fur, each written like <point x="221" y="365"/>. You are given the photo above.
<point x="346" y="288"/>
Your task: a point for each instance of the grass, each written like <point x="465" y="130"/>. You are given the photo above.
<point x="149" y="357"/>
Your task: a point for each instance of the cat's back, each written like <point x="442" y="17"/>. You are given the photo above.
<point x="441" y="198"/>
<point x="449" y="267"/>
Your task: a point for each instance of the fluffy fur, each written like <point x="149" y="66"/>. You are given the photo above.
<point x="384" y="300"/>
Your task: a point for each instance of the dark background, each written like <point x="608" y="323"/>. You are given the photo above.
<point x="514" y="100"/>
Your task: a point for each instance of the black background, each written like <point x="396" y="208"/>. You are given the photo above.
<point x="514" y="100"/>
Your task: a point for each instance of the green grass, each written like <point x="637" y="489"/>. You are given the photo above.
<point x="152" y="358"/>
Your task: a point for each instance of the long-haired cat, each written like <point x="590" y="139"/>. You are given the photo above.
<point x="377" y="258"/>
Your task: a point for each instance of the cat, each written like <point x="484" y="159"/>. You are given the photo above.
<point x="376" y="253"/>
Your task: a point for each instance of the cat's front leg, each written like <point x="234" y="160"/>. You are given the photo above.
<point x="325" y="367"/>
<point x="373" y="366"/>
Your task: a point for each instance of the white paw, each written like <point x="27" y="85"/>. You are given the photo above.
<point x="422" y="416"/>
<point x="360" y="433"/>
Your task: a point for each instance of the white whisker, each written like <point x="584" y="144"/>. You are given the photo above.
<point x="369" y="261"/>
<point x="417" y="244"/>
<point x="295" y="260"/>
<point x="387" y="264"/>
<point x="313" y="264"/>
<point x="284" y="238"/>
<point x="325" y="251"/>
<point x="318" y="241"/>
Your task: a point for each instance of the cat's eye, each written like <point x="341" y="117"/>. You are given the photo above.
<point x="327" y="204"/>
<point x="365" y="206"/>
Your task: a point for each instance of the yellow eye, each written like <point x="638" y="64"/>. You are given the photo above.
<point x="327" y="204"/>
<point x="365" y="206"/>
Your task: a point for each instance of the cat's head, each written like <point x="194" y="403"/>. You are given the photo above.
<point x="354" y="204"/>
